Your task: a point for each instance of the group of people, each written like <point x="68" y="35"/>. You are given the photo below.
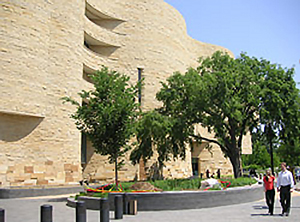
<point x="213" y="174"/>
<point x="285" y="185"/>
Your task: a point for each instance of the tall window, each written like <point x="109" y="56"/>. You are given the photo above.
<point x="140" y="71"/>
<point x="83" y="144"/>
<point x="83" y="148"/>
<point x="195" y="166"/>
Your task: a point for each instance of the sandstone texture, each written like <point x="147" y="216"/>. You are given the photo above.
<point x="48" y="47"/>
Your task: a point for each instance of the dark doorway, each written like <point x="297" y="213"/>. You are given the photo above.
<point x="195" y="166"/>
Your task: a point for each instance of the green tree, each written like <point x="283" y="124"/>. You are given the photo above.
<point x="164" y="133"/>
<point x="108" y="114"/>
<point x="279" y="112"/>
<point x="221" y="95"/>
<point x="227" y="96"/>
<point x="289" y="149"/>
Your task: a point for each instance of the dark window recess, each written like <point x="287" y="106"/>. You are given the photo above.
<point x="140" y="87"/>
<point x="83" y="148"/>
<point x="195" y="166"/>
<point x="86" y="44"/>
<point x="83" y="144"/>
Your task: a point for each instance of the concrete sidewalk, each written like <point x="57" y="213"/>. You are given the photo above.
<point x="27" y="210"/>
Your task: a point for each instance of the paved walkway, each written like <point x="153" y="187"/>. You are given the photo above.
<point x="27" y="210"/>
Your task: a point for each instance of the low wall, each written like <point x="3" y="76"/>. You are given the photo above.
<point x="179" y="200"/>
<point x="6" y="193"/>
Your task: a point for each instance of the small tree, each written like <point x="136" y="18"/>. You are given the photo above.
<point x="108" y="114"/>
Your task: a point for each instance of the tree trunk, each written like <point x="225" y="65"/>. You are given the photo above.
<point x="235" y="160"/>
<point x="116" y="172"/>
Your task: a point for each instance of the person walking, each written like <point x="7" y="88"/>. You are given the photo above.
<point x="285" y="185"/>
<point x="269" y="190"/>
<point x="207" y="174"/>
<point x="219" y="174"/>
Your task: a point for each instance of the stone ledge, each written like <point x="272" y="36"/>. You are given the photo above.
<point x="6" y="193"/>
<point x="180" y="200"/>
<point x="20" y="113"/>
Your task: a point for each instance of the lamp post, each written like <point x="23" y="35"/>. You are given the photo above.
<point x="270" y="135"/>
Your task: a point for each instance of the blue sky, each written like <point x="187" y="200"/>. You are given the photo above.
<point x="267" y="29"/>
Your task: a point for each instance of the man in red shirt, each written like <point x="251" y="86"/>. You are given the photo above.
<point x="269" y="190"/>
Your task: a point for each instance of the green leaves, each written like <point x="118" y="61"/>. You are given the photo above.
<point x="225" y="95"/>
<point x="108" y="113"/>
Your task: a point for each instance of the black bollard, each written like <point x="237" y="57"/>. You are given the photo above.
<point x="80" y="211"/>
<point x="2" y="215"/>
<point x="118" y="207"/>
<point x="125" y="203"/>
<point x="46" y="213"/>
<point x="104" y="210"/>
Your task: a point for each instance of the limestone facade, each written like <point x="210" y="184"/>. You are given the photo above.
<point x="48" y="47"/>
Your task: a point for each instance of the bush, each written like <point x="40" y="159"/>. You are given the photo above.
<point x="242" y="181"/>
<point x="177" y="184"/>
<point x="252" y="166"/>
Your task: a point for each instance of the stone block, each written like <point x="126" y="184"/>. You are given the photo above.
<point x="49" y="163"/>
<point x="11" y="177"/>
<point x="10" y="169"/>
<point x="74" y="168"/>
<point x="39" y="168"/>
<point x="61" y="176"/>
<point x="68" y="167"/>
<point x="37" y="176"/>
<point x="28" y="169"/>
<point x="42" y="182"/>
<point x="19" y="179"/>
<point x="3" y="169"/>
<point x="69" y="179"/>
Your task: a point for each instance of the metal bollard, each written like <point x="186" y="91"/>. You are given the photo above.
<point x="118" y="207"/>
<point x="104" y="210"/>
<point x="132" y="207"/>
<point x="46" y="213"/>
<point x="125" y="203"/>
<point x="2" y="215"/>
<point x="80" y="211"/>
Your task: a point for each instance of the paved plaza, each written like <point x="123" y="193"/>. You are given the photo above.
<point x="27" y="210"/>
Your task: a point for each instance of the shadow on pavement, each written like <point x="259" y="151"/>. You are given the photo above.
<point x="259" y="207"/>
<point x="274" y="215"/>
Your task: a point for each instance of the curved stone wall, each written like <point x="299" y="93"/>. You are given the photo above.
<point x="41" y="62"/>
<point x="182" y="200"/>
<point x="43" y="58"/>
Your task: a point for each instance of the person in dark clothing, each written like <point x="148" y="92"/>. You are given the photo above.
<point x="269" y="191"/>
<point x="285" y="185"/>
<point x="207" y="173"/>
<point x="218" y="173"/>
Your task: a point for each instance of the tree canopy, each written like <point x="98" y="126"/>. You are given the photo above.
<point x="228" y="97"/>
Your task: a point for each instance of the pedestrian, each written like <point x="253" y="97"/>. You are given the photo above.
<point x="269" y="191"/>
<point x="285" y="185"/>
<point x="219" y="174"/>
<point x="207" y="173"/>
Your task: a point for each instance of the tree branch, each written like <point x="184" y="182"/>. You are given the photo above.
<point x="223" y="148"/>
